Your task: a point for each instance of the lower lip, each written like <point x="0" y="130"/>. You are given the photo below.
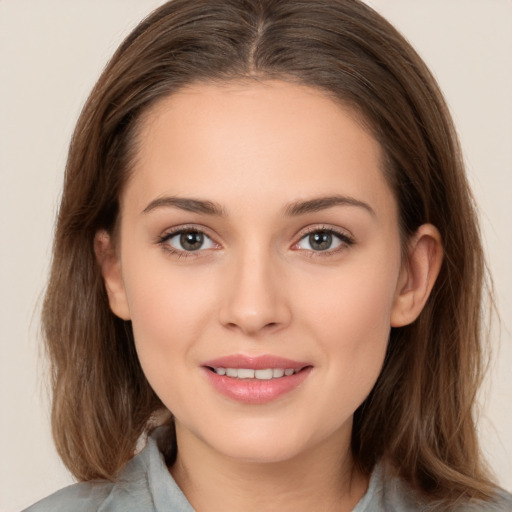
<point x="255" y="391"/>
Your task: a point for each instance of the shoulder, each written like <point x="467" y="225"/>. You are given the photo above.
<point x="129" y="492"/>
<point x="501" y="503"/>
<point x="80" y="497"/>
<point x="145" y="485"/>
<point x="389" y="493"/>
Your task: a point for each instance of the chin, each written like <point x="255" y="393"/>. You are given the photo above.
<point x="262" y="443"/>
<point x="257" y="452"/>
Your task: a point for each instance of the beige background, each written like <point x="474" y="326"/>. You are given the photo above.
<point x="52" y="51"/>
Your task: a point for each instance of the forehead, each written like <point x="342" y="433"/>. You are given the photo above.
<point x="255" y="139"/>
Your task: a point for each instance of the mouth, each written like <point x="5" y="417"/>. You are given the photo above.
<point x="251" y="373"/>
<point x="256" y="380"/>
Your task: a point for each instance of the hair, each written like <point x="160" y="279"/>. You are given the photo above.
<point x="420" y="414"/>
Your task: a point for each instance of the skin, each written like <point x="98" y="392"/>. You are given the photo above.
<point x="258" y="286"/>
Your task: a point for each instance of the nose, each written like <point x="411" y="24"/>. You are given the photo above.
<point x="254" y="300"/>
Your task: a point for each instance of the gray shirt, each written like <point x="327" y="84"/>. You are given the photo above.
<point x="145" y="485"/>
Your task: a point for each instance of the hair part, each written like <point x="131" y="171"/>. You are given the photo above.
<point x="419" y="416"/>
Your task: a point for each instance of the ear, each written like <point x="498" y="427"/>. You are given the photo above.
<point x="110" y="265"/>
<point x="418" y="275"/>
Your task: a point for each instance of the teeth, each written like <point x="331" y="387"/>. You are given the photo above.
<point x="244" y="373"/>
<point x="248" y="373"/>
<point x="263" y="374"/>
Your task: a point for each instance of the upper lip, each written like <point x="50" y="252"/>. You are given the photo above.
<point x="260" y="362"/>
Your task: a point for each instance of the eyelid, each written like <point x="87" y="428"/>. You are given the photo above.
<point x="172" y="230"/>
<point x="314" y="228"/>
<point x="346" y="238"/>
<point x="344" y="235"/>
<point x="177" y="230"/>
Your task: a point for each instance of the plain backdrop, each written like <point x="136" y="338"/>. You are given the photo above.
<point x="51" y="53"/>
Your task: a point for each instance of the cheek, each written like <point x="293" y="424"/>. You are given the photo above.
<point x="167" y="307"/>
<point x="352" y="304"/>
<point x="169" y="310"/>
<point x="165" y="320"/>
<point x="352" y="329"/>
<point x="350" y="319"/>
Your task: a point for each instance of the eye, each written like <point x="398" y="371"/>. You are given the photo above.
<point x="323" y="240"/>
<point x="188" y="241"/>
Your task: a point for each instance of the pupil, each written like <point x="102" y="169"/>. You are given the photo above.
<point x="191" y="241"/>
<point x="320" y="241"/>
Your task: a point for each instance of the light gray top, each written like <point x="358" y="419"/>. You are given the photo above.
<point x="145" y="485"/>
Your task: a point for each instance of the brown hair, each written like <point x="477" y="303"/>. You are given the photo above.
<point x="419" y="415"/>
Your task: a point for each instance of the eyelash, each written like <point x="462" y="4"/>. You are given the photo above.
<point x="345" y="239"/>
<point x="181" y="254"/>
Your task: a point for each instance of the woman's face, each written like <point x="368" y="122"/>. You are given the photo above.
<point x="258" y="237"/>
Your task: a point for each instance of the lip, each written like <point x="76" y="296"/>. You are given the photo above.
<point x="254" y="391"/>
<point x="255" y="362"/>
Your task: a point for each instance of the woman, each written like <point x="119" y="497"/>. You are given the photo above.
<point x="264" y="230"/>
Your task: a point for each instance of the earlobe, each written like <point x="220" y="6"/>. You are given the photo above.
<point x="418" y="275"/>
<point x="108" y="260"/>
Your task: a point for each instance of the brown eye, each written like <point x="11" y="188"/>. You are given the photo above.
<point x="191" y="241"/>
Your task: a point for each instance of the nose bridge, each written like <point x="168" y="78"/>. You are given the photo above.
<point x="254" y="299"/>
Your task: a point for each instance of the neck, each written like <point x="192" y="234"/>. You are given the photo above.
<point x="323" y="478"/>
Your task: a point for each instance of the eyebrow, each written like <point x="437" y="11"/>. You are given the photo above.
<point x="322" y="203"/>
<point x="187" y="204"/>
<point x="293" y="209"/>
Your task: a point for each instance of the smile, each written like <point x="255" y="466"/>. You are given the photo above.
<point x="249" y="373"/>
<point x="256" y="380"/>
